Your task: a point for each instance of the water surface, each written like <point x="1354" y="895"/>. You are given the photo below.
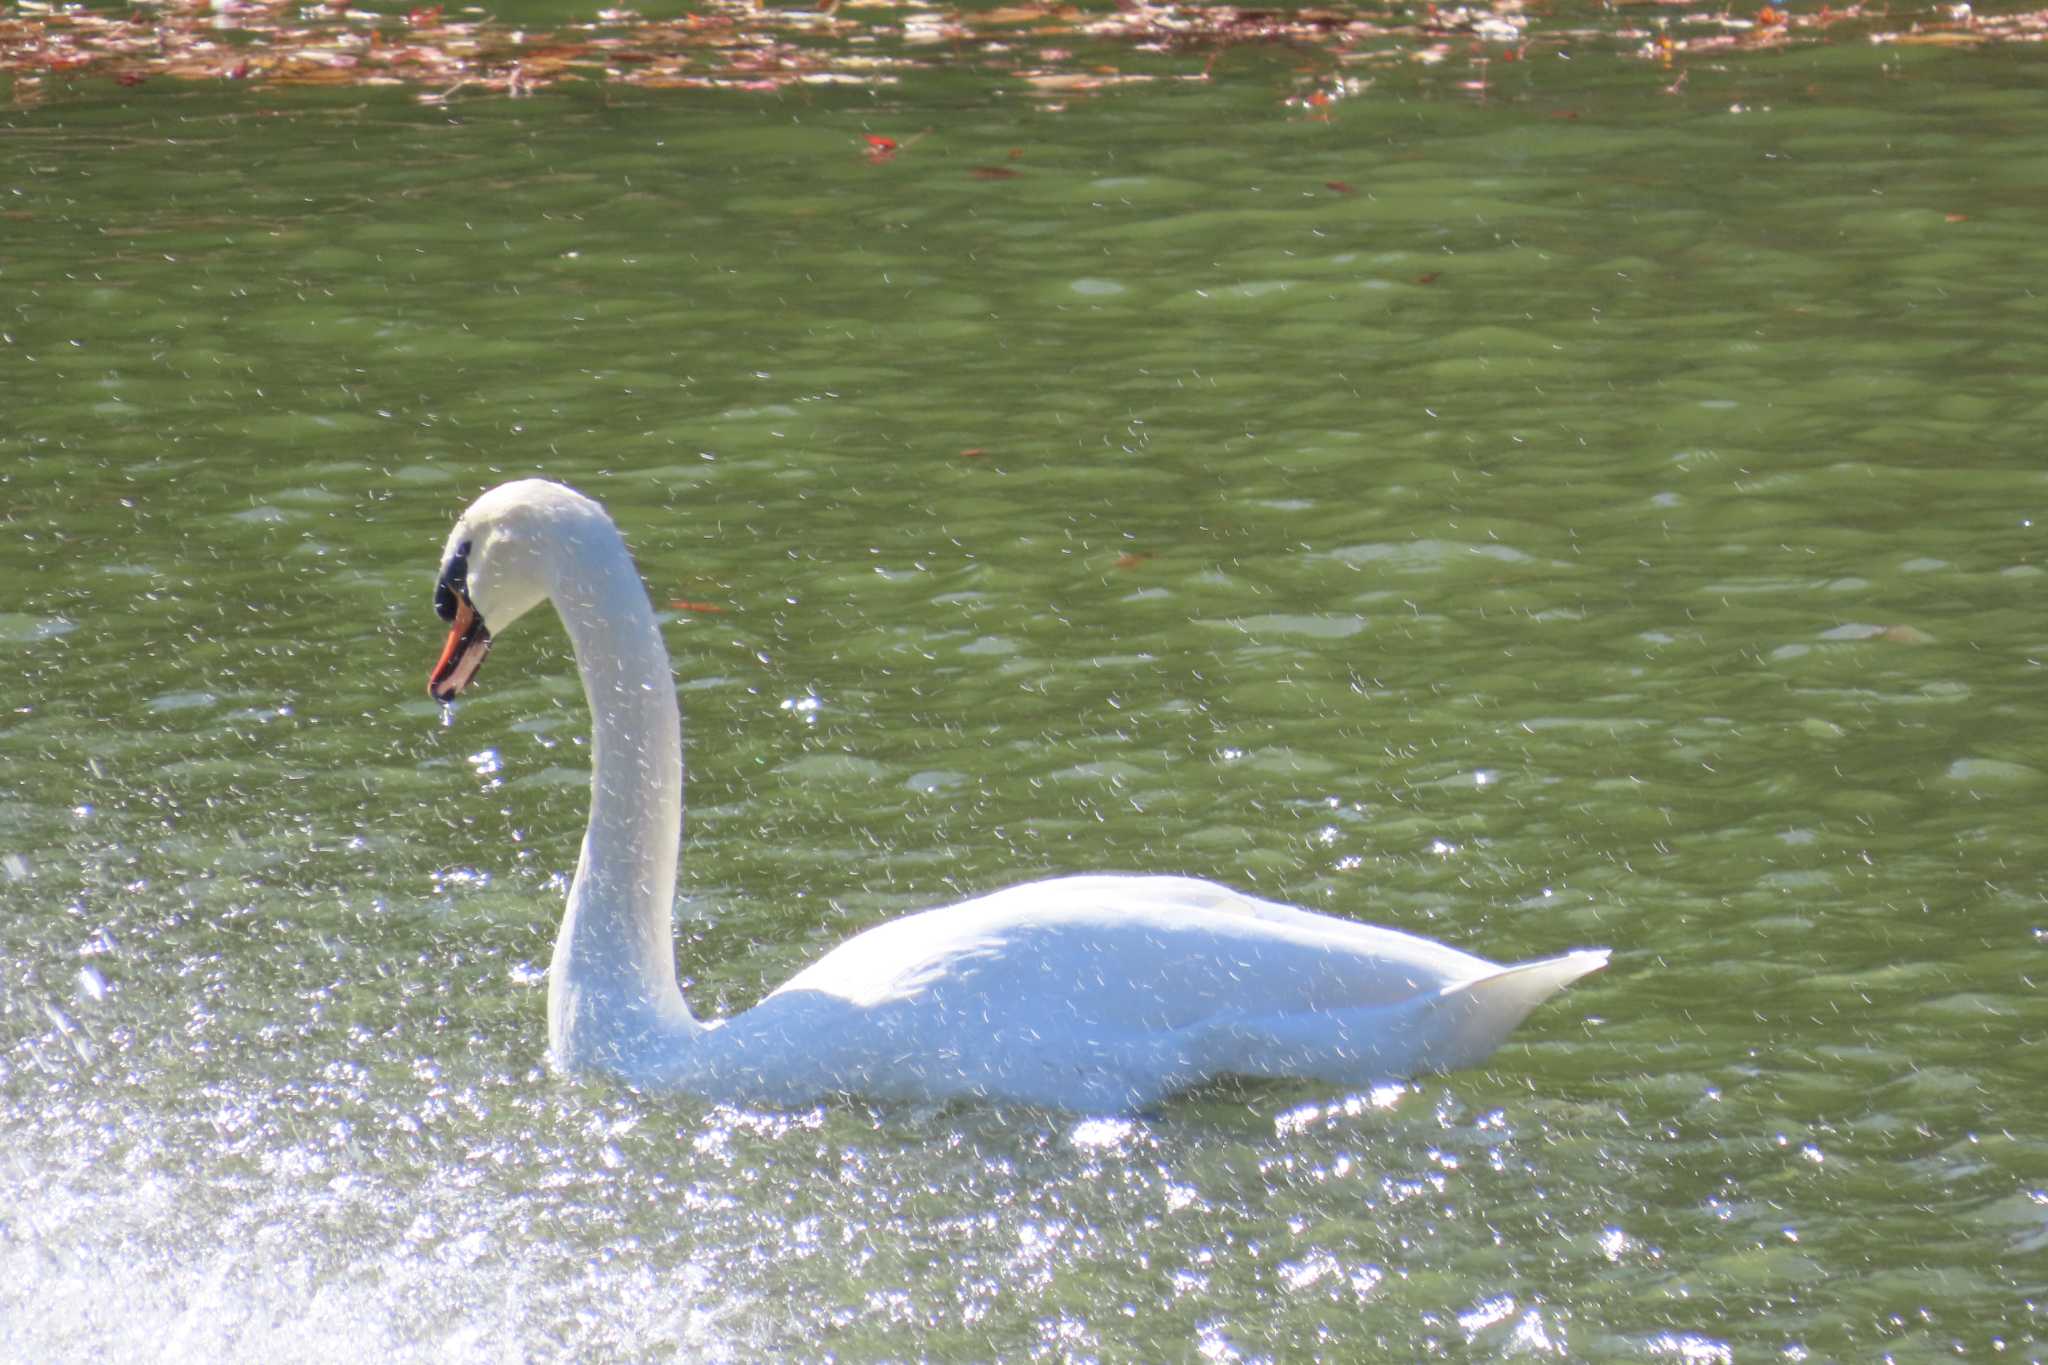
<point x="1586" y="515"/>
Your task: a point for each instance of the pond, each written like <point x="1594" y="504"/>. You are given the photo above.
<point x="1580" y="500"/>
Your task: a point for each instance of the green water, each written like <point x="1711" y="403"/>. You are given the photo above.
<point x="1617" y="519"/>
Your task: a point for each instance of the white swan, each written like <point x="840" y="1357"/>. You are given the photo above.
<point x="1093" y="993"/>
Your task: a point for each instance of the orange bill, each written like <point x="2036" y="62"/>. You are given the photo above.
<point x="468" y="642"/>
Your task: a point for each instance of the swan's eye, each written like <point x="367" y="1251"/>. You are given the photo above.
<point x="454" y="584"/>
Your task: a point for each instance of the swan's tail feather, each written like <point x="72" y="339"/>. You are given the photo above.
<point x="1442" y="1031"/>
<point x="1476" y="1016"/>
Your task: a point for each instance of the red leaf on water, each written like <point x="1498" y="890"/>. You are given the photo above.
<point x="131" y="78"/>
<point x="1132" y="559"/>
<point x="972" y="453"/>
<point x="994" y="173"/>
<point x="1429" y="278"/>
<point x="710" y="608"/>
<point x="1957" y="217"/>
<point x="1340" y="186"/>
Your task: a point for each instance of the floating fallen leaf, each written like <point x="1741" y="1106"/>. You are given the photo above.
<point x="709" y="608"/>
<point x="1052" y="48"/>
<point x="1339" y="187"/>
<point x="1132" y="559"/>
<point x="994" y="173"/>
<point x="1430" y="277"/>
<point x="1935" y="39"/>
<point x="1071" y="82"/>
<point x="972" y="453"/>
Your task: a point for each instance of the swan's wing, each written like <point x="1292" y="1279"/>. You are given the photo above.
<point x="1130" y="953"/>
<point x="1111" y="992"/>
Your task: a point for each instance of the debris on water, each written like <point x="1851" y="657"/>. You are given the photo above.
<point x="1053" y="50"/>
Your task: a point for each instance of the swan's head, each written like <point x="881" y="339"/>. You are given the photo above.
<point x="503" y="559"/>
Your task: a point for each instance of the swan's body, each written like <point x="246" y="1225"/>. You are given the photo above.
<point x="1094" y="993"/>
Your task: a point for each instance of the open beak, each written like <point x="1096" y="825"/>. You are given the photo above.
<point x="468" y="642"/>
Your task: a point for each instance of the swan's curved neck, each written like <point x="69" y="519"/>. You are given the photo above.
<point x="612" y="992"/>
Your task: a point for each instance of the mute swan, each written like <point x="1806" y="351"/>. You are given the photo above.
<point x="1091" y="993"/>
